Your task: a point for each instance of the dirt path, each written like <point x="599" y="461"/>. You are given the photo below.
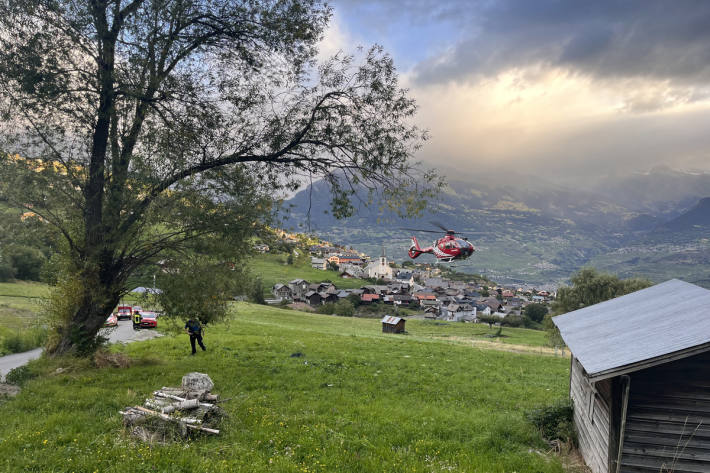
<point x="491" y="345"/>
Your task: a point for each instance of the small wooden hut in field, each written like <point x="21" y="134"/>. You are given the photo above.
<point x="391" y="324"/>
<point x="640" y="380"/>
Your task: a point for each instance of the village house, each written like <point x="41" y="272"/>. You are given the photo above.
<point x="458" y="312"/>
<point x="472" y="294"/>
<point x="494" y="304"/>
<point x="369" y="298"/>
<point x="436" y="283"/>
<point x="375" y="289"/>
<point x="348" y="271"/>
<point x="639" y="380"/>
<point x="322" y="250"/>
<point x="424" y="296"/>
<point x="282" y="292"/>
<point x="483" y="309"/>
<point x="399" y="288"/>
<point x="298" y="287"/>
<point x="328" y="297"/>
<point x="349" y="259"/>
<point x="452" y="292"/>
<point x="319" y="263"/>
<point x="430" y="306"/>
<point x="402" y="299"/>
<point x="313" y="298"/>
<point x="515" y="302"/>
<point x="404" y="277"/>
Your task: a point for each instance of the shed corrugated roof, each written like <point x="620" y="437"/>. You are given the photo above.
<point x="391" y="320"/>
<point x="637" y="327"/>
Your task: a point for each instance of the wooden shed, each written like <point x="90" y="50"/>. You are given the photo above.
<point x="391" y="324"/>
<point x="640" y="380"/>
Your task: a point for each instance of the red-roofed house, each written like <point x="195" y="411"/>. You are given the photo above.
<point x="369" y="298"/>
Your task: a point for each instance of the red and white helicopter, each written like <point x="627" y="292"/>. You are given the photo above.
<point x="446" y="249"/>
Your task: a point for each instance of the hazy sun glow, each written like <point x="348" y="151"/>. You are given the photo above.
<point x="540" y="101"/>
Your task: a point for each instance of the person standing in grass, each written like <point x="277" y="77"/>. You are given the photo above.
<point x="194" y="329"/>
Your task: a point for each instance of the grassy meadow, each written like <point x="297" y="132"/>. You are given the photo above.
<point x="20" y="304"/>
<point x="308" y="393"/>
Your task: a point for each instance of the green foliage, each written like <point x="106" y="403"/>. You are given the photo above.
<point x="53" y="267"/>
<point x="256" y="292"/>
<point x="21" y="326"/>
<point x="488" y="319"/>
<point x="454" y="275"/>
<point x="197" y="287"/>
<point x="19" y="375"/>
<point x="26" y="260"/>
<point x="7" y="271"/>
<point x="535" y="312"/>
<point x="327" y="308"/>
<point x="59" y="308"/>
<point x="354" y="300"/>
<point x="589" y="287"/>
<point x="18" y="341"/>
<point x="333" y="266"/>
<point x="344" y="308"/>
<point x="554" y="338"/>
<point x="555" y="421"/>
<point x="512" y="321"/>
<point x="289" y="260"/>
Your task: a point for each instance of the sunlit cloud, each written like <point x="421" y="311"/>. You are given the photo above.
<point x="555" y="121"/>
<point x="565" y="89"/>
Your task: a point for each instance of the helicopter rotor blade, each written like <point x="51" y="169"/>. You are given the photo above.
<point x="420" y="230"/>
<point x="440" y="225"/>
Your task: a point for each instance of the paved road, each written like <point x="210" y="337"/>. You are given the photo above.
<point x="17" y="359"/>
<point x="124" y="333"/>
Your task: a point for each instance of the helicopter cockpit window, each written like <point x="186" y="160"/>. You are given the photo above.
<point x="461" y="243"/>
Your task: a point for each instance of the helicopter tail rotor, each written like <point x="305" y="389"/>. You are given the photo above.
<point x="415" y="250"/>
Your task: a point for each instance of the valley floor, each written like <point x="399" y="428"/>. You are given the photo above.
<point x="308" y="393"/>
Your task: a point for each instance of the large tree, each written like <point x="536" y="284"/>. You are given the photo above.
<point x="589" y="287"/>
<point x="134" y="126"/>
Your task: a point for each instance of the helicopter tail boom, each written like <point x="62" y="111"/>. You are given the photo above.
<point x="415" y="250"/>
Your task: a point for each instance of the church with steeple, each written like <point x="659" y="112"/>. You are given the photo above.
<point x="380" y="268"/>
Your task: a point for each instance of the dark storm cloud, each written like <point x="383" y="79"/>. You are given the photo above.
<point x="659" y="39"/>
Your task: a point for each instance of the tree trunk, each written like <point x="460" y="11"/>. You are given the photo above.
<point x="96" y="302"/>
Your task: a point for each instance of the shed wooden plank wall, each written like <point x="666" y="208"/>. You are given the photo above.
<point x="592" y="418"/>
<point x="668" y="420"/>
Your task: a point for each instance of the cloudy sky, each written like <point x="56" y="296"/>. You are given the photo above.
<point x="558" y="87"/>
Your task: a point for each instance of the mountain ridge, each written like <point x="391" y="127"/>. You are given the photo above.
<point x="538" y="233"/>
